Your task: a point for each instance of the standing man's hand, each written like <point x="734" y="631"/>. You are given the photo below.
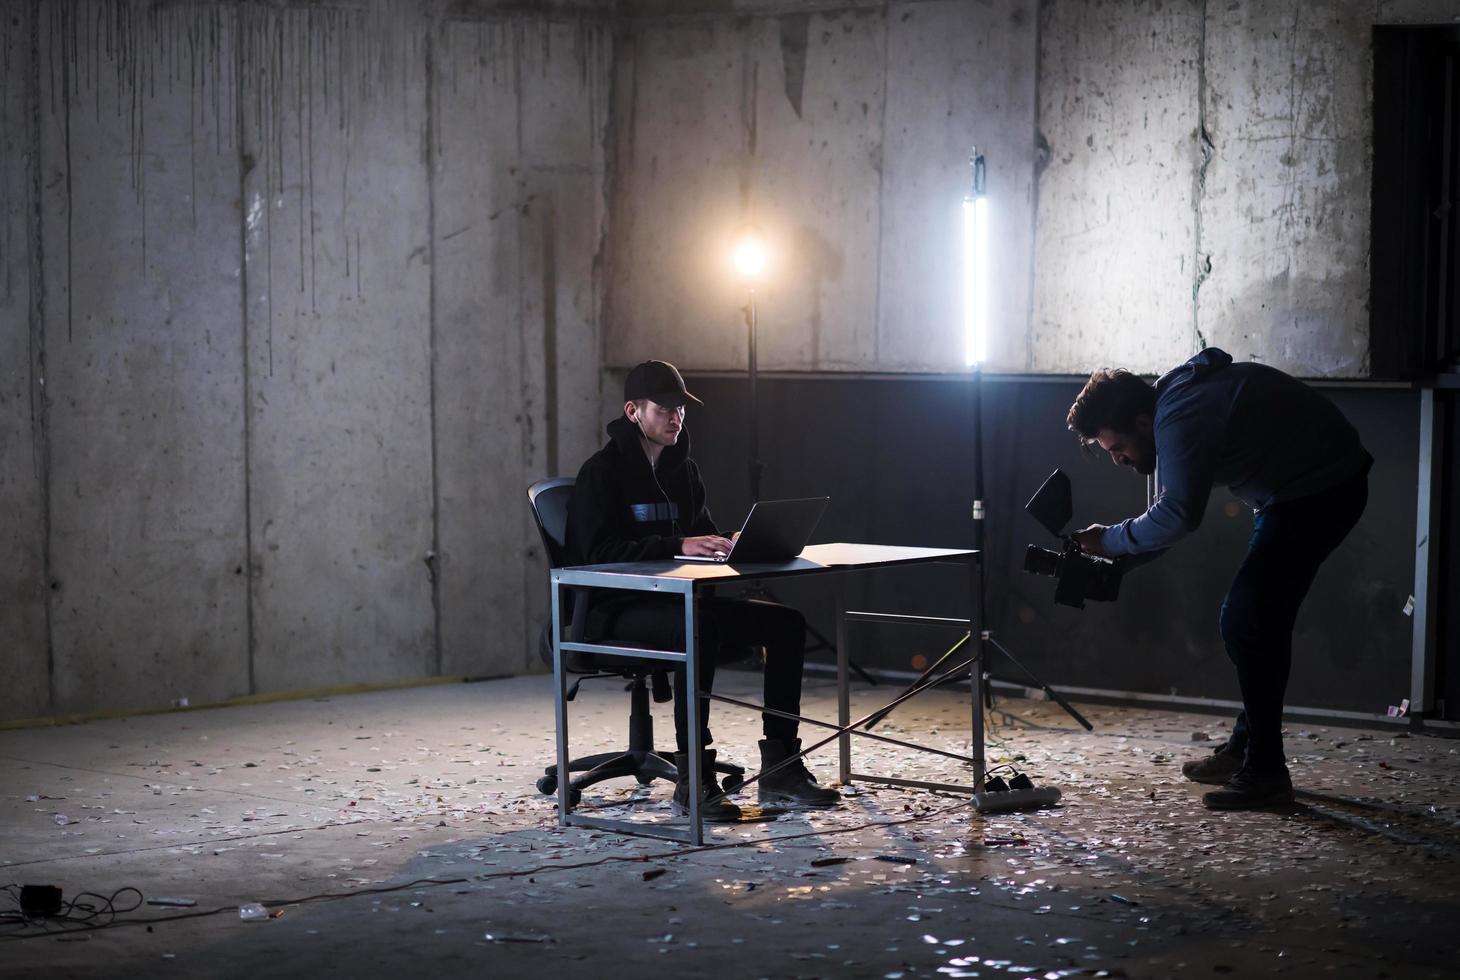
<point x="706" y="546"/>
<point x="1089" y="540"/>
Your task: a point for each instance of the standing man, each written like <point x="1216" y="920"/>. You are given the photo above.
<point x="1286" y="452"/>
<point x="640" y="498"/>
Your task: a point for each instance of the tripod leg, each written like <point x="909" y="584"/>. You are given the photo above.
<point x="1053" y="694"/>
<point x="844" y="735"/>
<point x="884" y="712"/>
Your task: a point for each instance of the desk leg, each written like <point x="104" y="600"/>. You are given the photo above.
<point x="692" y="717"/>
<point x="560" y="703"/>
<point x="843" y="698"/>
<point x="975" y="675"/>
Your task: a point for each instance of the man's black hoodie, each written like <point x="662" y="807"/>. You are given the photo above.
<point x="625" y="509"/>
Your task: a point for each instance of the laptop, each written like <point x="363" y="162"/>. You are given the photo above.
<point x="774" y="531"/>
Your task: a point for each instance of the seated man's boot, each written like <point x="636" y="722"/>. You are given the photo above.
<point x="1214" y="769"/>
<point x="722" y="810"/>
<point x="793" y="783"/>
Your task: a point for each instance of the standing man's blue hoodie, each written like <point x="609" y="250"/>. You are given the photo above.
<point x="1289" y="454"/>
<point x="1250" y="427"/>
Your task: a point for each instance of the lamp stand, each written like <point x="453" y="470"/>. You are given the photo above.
<point x="756" y="466"/>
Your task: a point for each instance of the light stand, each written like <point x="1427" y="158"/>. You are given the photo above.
<point x="975" y="331"/>
<point x="756" y="466"/>
<point x="749" y="256"/>
<point x="750" y="260"/>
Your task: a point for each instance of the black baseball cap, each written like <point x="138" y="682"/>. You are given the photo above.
<point x="658" y="381"/>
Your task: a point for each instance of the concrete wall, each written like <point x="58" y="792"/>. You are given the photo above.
<point x="1175" y="174"/>
<point x="1115" y="238"/>
<point x="295" y="303"/>
<point x="1285" y="199"/>
<point x="844" y="135"/>
<point x="296" y="299"/>
<point x="24" y="673"/>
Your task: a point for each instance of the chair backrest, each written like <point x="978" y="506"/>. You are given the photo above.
<point x="549" y="500"/>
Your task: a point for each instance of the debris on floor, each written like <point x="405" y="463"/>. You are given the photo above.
<point x="402" y="829"/>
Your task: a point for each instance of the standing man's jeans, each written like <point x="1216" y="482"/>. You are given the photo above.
<point x="729" y="629"/>
<point x="1289" y="541"/>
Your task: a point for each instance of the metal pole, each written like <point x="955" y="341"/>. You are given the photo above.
<point x="843" y="697"/>
<point x="692" y="718"/>
<point x="560" y="705"/>
<point x="1426" y="563"/>
<point x="976" y="566"/>
<point x="750" y="322"/>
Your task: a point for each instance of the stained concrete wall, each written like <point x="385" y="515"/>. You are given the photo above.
<point x="1116" y="234"/>
<point x="297" y="299"/>
<point x="844" y="136"/>
<point x="1285" y="197"/>
<point x="519" y="233"/>
<point x="296" y="302"/>
<point x="139" y="253"/>
<point x="1174" y="174"/>
<point x="1208" y="183"/>
<point x="24" y="674"/>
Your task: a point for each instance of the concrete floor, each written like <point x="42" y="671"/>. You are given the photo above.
<point x="352" y="798"/>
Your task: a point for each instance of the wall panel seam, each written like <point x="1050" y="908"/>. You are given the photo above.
<point x="240" y="127"/>
<point x="434" y="564"/>
<point x="1201" y="267"/>
<point x="881" y="180"/>
<point x="1041" y="160"/>
<point x="39" y="414"/>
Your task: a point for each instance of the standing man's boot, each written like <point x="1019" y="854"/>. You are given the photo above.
<point x="1218" y="767"/>
<point x="792" y="783"/>
<point x="1250" y="790"/>
<point x="722" y="810"/>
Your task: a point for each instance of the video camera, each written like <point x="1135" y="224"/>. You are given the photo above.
<point x="1078" y="576"/>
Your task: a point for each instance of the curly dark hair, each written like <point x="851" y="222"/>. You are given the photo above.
<point x="1110" y="400"/>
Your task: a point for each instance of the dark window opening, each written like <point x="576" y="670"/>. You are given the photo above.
<point x="1415" y="258"/>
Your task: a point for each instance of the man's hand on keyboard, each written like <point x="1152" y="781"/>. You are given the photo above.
<point x="707" y="546"/>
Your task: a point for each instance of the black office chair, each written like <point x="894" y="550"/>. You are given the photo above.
<point x="549" y="500"/>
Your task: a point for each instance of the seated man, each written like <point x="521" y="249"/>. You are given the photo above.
<point x="641" y="498"/>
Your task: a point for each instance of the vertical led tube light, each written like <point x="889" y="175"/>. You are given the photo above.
<point x="976" y="265"/>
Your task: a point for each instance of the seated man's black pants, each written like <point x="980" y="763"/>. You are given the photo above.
<point x="729" y="630"/>
<point x="1289" y="541"/>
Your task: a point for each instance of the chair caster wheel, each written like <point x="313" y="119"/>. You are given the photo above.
<point x="732" y="781"/>
<point x="548" y="786"/>
<point x="644" y="780"/>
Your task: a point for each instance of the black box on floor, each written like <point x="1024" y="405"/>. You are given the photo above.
<point x="40" y="900"/>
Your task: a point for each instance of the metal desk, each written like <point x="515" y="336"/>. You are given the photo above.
<point x="689" y="580"/>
